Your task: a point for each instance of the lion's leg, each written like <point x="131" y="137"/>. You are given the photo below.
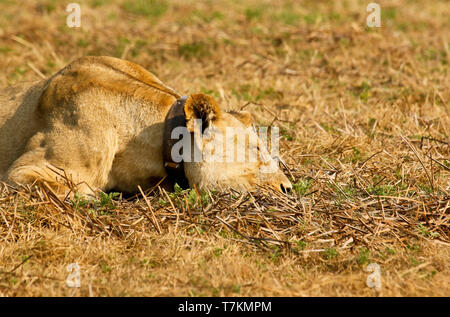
<point x="40" y="173"/>
<point x="64" y="158"/>
<point x="61" y="180"/>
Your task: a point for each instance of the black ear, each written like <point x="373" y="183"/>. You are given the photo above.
<point x="203" y="107"/>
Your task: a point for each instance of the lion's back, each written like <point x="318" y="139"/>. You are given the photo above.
<point x="111" y="76"/>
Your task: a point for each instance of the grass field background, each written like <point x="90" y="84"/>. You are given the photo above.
<point x="365" y="124"/>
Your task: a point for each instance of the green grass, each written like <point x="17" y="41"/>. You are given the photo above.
<point x="363" y="256"/>
<point x="300" y="245"/>
<point x="98" y="3"/>
<point x="83" y="43"/>
<point x="139" y="45"/>
<point x="193" y="50"/>
<point x="288" y="17"/>
<point x="331" y="253"/>
<point x="96" y="207"/>
<point x="253" y="14"/>
<point x="311" y="18"/>
<point x="5" y="50"/>
<point x="355" y="155"/>
<point x="210" y="92"/>
<point x="180" y="197"/>
<point x="122" y="43"/>
<point x="382" y="190"/>
<point x="106" y="200"/>
<point x="207" y="17"/>
<point x="249" y="93"/>
<point x="364" y="91"/>
<point x="218" y="252"/>
<point x="149" y="8"/>
<point x="389" y="13"/>
<point x="286" y="135"/>
<point x="236" y="288"/>
<point x="243" y="92"/>
<point x="427" y="233"/>
<point x="302" y="186"/>
<point x="19" y="72"/>
<point x="105" y="267"/>
<point x="79" y="201"/>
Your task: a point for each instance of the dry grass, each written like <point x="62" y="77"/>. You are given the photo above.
<point x="365" y="120"/>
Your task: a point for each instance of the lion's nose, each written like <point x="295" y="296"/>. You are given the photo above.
<point x="285" y="189"/>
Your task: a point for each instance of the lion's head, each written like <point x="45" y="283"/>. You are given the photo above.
<point x="225" y="150"/>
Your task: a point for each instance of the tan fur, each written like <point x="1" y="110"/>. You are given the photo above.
<point x="101" y="119"/>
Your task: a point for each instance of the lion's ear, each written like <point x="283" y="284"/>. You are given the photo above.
<point x="202" y="107"/>
<point x="244" y="116"/>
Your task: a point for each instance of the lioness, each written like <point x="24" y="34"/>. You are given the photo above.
<point x="104" y="122"/>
